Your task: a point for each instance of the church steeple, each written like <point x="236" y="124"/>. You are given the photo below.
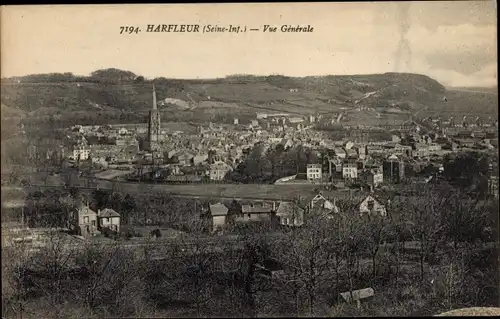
<point x="154" y="98"/>
<point x="154" y="125"/>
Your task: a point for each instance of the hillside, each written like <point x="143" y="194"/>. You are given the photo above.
<point x="115" y="91"/>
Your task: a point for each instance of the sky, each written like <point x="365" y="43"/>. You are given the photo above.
<point x="452" y="42"/>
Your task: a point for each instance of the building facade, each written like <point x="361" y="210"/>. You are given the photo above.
<point x="81" y="153"/>
<point x="393" y="170"/>
<point x="218" y="171"/>
<point x="109" y="218"/>
<point x="313" y="172"/>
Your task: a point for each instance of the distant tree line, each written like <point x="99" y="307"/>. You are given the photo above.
<point x="260" y="166"/>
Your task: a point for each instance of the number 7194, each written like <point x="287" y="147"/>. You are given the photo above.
<point x="129" y="30"/>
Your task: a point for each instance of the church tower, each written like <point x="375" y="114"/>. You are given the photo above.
<point x="154" y="126"/>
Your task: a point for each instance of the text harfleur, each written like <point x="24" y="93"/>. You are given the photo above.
<point x="194" y="28"/>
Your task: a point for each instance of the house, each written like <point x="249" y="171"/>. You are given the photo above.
<point x="402" y="150"/>
<point x="434" y="147"/>
<point x="81" y="153"/>
<point x="421" y="150"/>
<point x="370" y="205"/>
<point x="348" y="145"/>
<point x="218" y="213"/>
<point x="86" y="219"/>
<point x="170" y="152"/>
<point x="200" y="158"/>
<point x="350" y="170"/>
<point x="313" y="172"/>
<point x="295" y="120"/>
<point x="478" y="134"/>
<point x="374" y="150"/>
<point x="351" y="153"/>
<point x="493" y="186"/>
<point x="218" y="171"/>
<point x="319" y="201"/>
<point x="185" y="158"/>
<point x="361" y="151"/>
<point x="340" y="152"/>
<point x="371" y="177"/>
<point x="290" y="214"/>
<point x="466" y="143"/>
<point x="108" y="218"/>
<point x="395" y="138"/>
<point x="255" y="213"/>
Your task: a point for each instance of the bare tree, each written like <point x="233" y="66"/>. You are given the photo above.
<point x="376" y="229"/>
<point x="426" y="225"/>
<point x="111" y="278"/>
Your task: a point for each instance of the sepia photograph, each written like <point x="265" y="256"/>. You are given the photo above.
<point x="243" y="160"/>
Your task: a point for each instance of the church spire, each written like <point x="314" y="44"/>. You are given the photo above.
<point x="154" y="98"/>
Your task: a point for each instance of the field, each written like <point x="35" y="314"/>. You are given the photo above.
<point x="254" y="191"/>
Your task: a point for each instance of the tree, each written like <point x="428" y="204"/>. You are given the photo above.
<point x="376" y="229"/>
<point x="198" y="265"/>
<point x="426" y="226"/>
<point x="67" y="204"/>
<point x="255" y="252"/>
<point x="399" y="233"/>
<point x="129" y="206"/>
<point x="465" y="169"/>
<point x="462" y="219"/>
<point x="100" y="198"/>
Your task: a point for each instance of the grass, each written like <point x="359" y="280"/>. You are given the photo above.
<point x="257" y="191"/>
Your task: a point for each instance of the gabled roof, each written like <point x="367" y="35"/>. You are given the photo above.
<point x="376" y="198"/>
<point x="83" y="209"/>
<point x="248" y="209"/>
<point x="218" y="209"/>
<point x="286" y="208"/>
<point x="107" y="213"/>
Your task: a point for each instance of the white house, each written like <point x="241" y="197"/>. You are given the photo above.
<point x="320" y="201"/>
<point x="86" y="219"/>
<point x="371" y="205"/>
<point x="218" y="212"/>
<point x="350" y="171"/>
<point x="81" y="153"/>
<point x="109" y="218"/>
<point x="313" y="171"/>
<point x="219" y="170"/>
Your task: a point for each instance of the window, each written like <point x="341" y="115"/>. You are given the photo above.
<point x="86" y="219"/>
<point x="371" y="204"/>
